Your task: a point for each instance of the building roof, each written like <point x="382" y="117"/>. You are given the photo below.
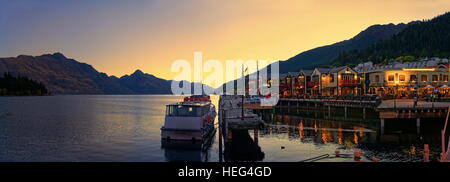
<point x="425" y="63"/>
<point x="283" y="75"/>
<point x="307" y="72"/>
<point x="323" y="70"/>
<point x="295" y="74"/>
<point x="335" y="70"/>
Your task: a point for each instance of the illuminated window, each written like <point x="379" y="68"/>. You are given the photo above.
<point x="424" y="78"/>
<point x="435" y="78"/>
<point x="401" y="78"/>
<point x="413" y="78"/>
<point x="391" y="78"/>
<point x="445" y="78"/>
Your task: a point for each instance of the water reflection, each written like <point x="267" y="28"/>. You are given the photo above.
<point x="243" y="148"/>
<point x="310" y="137"/>
<point x="186" y="151"/>
<point x="319" y="131"/>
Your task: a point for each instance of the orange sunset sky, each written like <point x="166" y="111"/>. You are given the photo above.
<point x="118" y="37"/>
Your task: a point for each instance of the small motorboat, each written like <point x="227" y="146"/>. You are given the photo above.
<point x="192" y="119"/>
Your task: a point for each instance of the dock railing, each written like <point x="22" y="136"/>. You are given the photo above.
<point x="445" y="150"/>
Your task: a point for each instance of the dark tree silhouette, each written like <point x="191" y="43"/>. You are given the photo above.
<point x="20" y="86"/>
<point x="429" y="38"/>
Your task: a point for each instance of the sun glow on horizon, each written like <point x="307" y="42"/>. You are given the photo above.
<point x="118" y="37"/>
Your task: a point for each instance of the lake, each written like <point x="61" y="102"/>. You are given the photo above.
<point x="127" y="128"/>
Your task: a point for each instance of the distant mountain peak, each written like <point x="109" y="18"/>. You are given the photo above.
<point x="56" y="55"/>
<point x="382" y="32"/>
<point x="138" y="72"/>
<point x="59" y="55"/>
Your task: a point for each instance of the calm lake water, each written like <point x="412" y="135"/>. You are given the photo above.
<point x="127" y="128"/>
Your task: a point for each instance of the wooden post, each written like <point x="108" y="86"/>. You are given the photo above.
<point x="329" y="111"/>
<point x="382" y="126"/>
<point x="255" y="135"/>
<point x="418" y="125"/>
<point x="364" y="113"/>
<point x="426" y="153"/>
<point x="288" y="106"/>
<point x="220" y="134"/>
<point x="242" y="110"/>
<point x="225" y="126"/>
<point x="345" y="108"/>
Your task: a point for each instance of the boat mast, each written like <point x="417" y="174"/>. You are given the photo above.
<point x="242" y="110"/>
<point x="257" y="78"/>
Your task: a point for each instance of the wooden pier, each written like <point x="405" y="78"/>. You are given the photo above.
<point x="347" y="108"/>
<point x="236" y="117"/>
<point x="378" y="112"/>
<point x="233" y="118"/>
<point x="405" y="109"/>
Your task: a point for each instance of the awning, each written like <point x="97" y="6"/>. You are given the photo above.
<point x="428" y="86"/>
<point x="444" y="86"/>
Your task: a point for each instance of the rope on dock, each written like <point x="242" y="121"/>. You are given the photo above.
<point x="316" y="158"/>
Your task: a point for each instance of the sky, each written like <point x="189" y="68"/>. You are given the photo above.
<point x="117" y="36"/>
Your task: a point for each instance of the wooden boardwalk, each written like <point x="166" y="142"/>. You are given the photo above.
<point x="404" y="108"/>
<point x="292" y="102"/>
<point x="409" y="104"/>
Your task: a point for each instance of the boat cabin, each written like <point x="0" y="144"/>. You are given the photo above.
<point x="187" y="110"/>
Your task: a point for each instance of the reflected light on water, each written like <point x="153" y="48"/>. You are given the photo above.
<point x="355" y="138"/>
<point x="340" y="136"/>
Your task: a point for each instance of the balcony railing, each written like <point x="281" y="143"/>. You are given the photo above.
<point x="348" y="82"/>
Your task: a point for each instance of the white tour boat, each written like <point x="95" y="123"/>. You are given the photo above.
<point x="192" y="119"/>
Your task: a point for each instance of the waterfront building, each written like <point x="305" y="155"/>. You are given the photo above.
<point x="395" y="79"/>
<point x="403" y="79"/>
<point x="293" y="84"/>
<point x="305" y="80"/>
<point x="335" y="81"/>
<point x="316" y="80"/>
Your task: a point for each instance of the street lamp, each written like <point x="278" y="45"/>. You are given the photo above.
<point x="395" y="96"/>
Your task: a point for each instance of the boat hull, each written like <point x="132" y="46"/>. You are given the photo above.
<point x="193" y="135"/>
<point x="181" y="134"/>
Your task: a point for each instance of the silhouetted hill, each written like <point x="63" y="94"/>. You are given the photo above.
<point x="62" y="75"/>
<point x="423" y="39"/>
<point x="20" y="86"/>
<point x="325" y="55"/>
<point x="142" y="83"/>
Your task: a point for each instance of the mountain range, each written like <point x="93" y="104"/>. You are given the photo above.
<point x="428" y="38"/>
<point x="324" y="55"/>
<point x="377" y="43"/>
<point x="62" y="75"/>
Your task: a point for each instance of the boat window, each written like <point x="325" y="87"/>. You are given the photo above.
<point x="180" y="110"/>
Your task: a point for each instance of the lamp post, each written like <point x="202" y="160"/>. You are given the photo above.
<point x="395" y="96"/>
